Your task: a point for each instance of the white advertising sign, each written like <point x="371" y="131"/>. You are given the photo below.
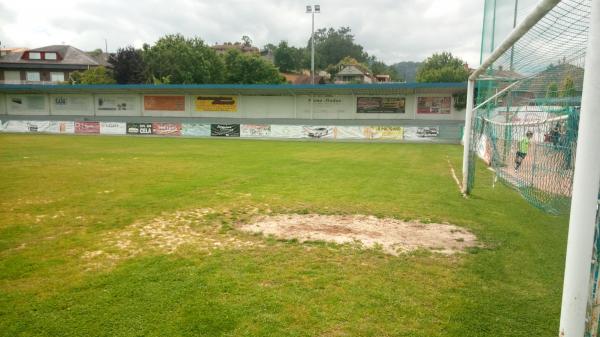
<point x="113" y="128"/>
<point x="287" y="131"/>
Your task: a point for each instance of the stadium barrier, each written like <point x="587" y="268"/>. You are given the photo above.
<point x="433" y="133"/>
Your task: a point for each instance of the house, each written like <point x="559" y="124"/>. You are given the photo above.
<point x="383" y="78"/>
<point x="534" y="90"/>
<point x="6" y="51"/>
<point x="50" y="64"/>
<point x="352" y="73"/>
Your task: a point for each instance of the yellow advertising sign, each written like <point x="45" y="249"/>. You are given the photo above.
<point x="216" y="103"/>
<point x="385" y="132"/>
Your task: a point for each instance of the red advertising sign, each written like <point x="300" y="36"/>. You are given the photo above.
<point x="87" y="127"/>
<point x="164" y="103"/>
<point x="169" y="129"/>
<point x="433" y="105"/>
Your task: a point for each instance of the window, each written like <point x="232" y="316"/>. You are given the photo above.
<point x="49" y="56"/>
<point x="35" y="55"/>
<point x="12" y="76"/>
<point x="33" y="76"/>
<point x="57" y="76"/>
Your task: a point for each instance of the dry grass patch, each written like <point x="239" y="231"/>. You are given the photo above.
<point x="165" y="234"/>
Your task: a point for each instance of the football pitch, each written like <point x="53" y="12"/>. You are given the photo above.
<point x="126" y="236"/>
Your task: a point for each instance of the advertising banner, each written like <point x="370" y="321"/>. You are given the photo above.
<point x="117" y="103"/>
<point x="427" y="133"/>
<point x="216" y="103"/>
<point x="164" y="103"/>
<point x="113" y="128"/>
<point x="139" y="128"/>
<point x="255" y="131"/>
<point x="434" y="105"/>
<point x="380" y="104"/>
<point x="19" y="126"/>
<point x="225" y="130"/>
<point x="287" y="131"/>
<point x="87" y="127"/>
<point x="26" y="103"/>
<point x="318" y="132"/>
<point x="59" y="127"/>
<point x="71" y="103"/>
<point x="166" y="129"/>
<point x="386" y="132"/>
<point x="38" y="126"/>
<point x="195" y="129"/>
<point x="350" y="132"/>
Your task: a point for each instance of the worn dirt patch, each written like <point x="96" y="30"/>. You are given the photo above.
<point x="392" y="235"/>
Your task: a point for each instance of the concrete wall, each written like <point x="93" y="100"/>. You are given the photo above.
<point x="71" y="105"/>
<point x="117" y="105"/>
<point x="28" y="104"/>
<point x="318" y="107"/>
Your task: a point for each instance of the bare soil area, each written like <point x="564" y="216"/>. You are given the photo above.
<point x="392" y="235"/>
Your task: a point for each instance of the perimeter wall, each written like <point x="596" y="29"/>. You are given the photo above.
<point x="412" y="117"/>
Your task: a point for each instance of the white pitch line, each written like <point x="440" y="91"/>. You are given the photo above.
<point x="455" y="177"/>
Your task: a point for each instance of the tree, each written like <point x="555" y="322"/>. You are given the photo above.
<point x="246" y="41"/>
<point x="250" y="69"/>
<point x="552" y="90"/>
<point x="269" y="47"/>
<point x="96" y="52"/>
<point x="331" y="46"/>
<point x="128" y="66"/>
<point x="183" y="61"/>
<point x="567" y="87"/>
<point x="287" y="58"/>
<point x="380" y="68"/>
<point x="442" y="67"/>
<point x="96" y="75"/>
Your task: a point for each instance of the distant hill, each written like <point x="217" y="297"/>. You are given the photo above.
<point x="408" y="70"/>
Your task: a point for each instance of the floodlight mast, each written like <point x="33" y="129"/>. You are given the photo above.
<point x="309" y="10"/>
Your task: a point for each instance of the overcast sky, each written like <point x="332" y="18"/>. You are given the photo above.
<point x="392" y="30"/>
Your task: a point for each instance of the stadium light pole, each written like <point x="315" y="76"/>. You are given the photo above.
<point x="309" y="10"/>
<point x="586" y="183"/>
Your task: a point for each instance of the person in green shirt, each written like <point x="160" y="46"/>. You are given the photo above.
<point x="523" y="148"/>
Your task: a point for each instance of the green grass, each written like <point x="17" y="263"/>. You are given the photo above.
<point x="63" y="196"/>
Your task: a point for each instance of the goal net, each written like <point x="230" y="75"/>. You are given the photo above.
<point x="533" y="88"/>
<point x="525" y="125"/>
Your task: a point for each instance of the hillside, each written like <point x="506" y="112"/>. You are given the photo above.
<point x="407" y="70"/>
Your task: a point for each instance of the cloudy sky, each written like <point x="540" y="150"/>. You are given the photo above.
<point x="392" y="30"/>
